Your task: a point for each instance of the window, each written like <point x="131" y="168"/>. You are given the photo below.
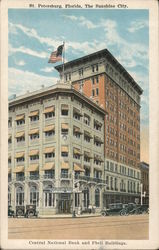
<point x="87" y="120"/>
<point x="49" y="115"/>
<point x="64" y="173"/>
<point x="80" y="72"/>
<point x="49" y="133"/>
<point x="77" y="200"/>
<point x="34" y="118"/>
<point x="34" y="157"/>
<point x="97" y="174"/>
<point x="93" y="80"/>
<point x="76" y="114"/>
<point x="34" y="175"/>
<point x="64" y="129"/>
<point x="64" y="151"/>
<point x="10" y="122"/>
<point x="49" y="174"/>
<point x="34" y="136"/>
<point x="97" y="79"/>
<point x="76" y="132"/>
<point x="97" y="125"/>
<point x="34" y="196"/>
<point x="95" y="68"/>
<point x="49" y="197"/>
<point x="93" y="92"/>
<point x="97" y="198"/>
<point x="97" y="91"/>
<point x="20" y="159"/>
<point x="19" y="196"/>
<point x="10" y="140"/>
<point x="9" y="197"/>
<point x="20" y="122"/>
<point x="64" y="110"/>
<point x="86" y="197"/>
<point x="49" y="155"/>
<point x="87" y="138"/>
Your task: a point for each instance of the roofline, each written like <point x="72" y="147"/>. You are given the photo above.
<point x="107" y="53"/>
<point x="54" y="91"/>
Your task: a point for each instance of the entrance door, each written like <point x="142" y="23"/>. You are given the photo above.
<point x="64" y="206"/>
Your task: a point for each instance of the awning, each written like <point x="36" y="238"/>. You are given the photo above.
<point x="34" y="131"/>
<point x="98" y="139"/>
<point x="64" y="107"/>
<point x="34" y="113"/>
<point x="20" y="117"/>
<point x="64" y="165"/>
<point x="64" y="149"/>
<point x="9" y="170"/>
<point x="49" y="166"/>
<point x="33" y="152"/>
<point x="87" y="154"/>
<point x="77" y="151"/>
<point x="33" y="167"/>
<point x="64" y="126"/>
<point x="49" y="128"/>
<point x="77" y="111"/>
<point x="78" y="168"/>
<point x="88" y="134"/>
<point x="19" y="134"/>
<point x="98" y="123"/>
<point x="49" y="150"/>
<point x="77" y="130"/>
<point x="49" y="110"/>
<point x="18" y="169"/>
<point x="98" y="158"/>
<point x="19" y="154"/>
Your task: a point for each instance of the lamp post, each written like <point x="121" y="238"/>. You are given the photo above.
<point x="142" y="194"/>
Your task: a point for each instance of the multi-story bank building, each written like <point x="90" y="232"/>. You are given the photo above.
<point x="56" y="151"/>
<point x="103" y="79"/>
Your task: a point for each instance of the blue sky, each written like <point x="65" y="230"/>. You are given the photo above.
<point x="34" y="34"/>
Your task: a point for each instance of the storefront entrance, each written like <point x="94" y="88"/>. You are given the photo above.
<point x="64" y="204"/>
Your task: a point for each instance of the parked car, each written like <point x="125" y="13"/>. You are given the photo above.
<point x="20" y="211"/>
<point x="113" y="209"/>
<point x="11" y="212"/>
<point x="143" y="209"/>
<point x="31" y="211"/>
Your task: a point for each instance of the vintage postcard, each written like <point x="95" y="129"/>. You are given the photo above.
<point x="79" y="124"/>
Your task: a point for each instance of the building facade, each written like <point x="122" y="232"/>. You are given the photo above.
<point x="104" y="80"/>
<point x="56" y="151"/>
<point x="144" y="167"/>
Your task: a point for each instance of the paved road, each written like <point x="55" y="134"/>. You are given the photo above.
<point x="132" y="227"/>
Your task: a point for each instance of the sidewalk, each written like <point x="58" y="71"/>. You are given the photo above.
<point x="62" y="216"/>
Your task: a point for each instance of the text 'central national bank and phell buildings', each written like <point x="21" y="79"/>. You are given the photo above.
<point x="76" y="143"/>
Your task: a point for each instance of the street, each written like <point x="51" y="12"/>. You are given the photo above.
<point x="133" y="227"/>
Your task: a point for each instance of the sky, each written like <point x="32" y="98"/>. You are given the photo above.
<point x="34" y="34"/>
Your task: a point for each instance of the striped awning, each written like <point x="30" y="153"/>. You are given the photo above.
<point x="49" y="110"/>
<point x="64" y="126"/>
<point x="77" y="111"/>
<point x="19" y="154"/>
<point x="34" y="113"/>
<point x="33" y="167"/>
<point x="88" y="134"/>
<point x="49" y="166"/>
<point x="98" y="123"/>
<point x="33" y="152"/>
<point x="18" y="169"/>
<point x="64" y="107"/>
<point x="64" y="149"/>
<point x="78" y="168"/>
<point x="77" y="130"/>
<point x="49" y="150"/>
<point x="64" y="165"/>
<point x="34" y="131"/>
<point x="20" y="117"/>
<point x="49" y="128"/>
<point x="19" y="134"/>
<point x="77" y="151"/>
<point x="98" y="158"/>
<point x="87" y="154"/>
<point x="98" y="139"/>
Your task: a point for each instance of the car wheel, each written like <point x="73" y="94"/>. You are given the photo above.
<point x="103" y="213"/>
<point x="19" y="212"/>
<point x="31" y="213"/>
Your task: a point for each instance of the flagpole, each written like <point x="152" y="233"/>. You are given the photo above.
<point x="63" y="62"/>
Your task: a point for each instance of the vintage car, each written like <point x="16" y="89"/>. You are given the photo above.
<point x="113" y="209"/>
<point x="20" y="211"/>
<point x="10" y="212"/>
<point x="31" y="211"/>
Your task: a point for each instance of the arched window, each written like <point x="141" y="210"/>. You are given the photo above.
<point x="97" y="198"/>
<point x="49" y="197"/>
<point x="86" y="197"/>
<point x="9" y="197"/>
<point x="19" y="196"/>
<point x="34" y="196"/>
<point x="116" y="184"/>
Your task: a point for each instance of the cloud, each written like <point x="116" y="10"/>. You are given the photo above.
<point x="47" y="69"/>
<point x="82" y="21"/>
<point x="137" y="25"/>
<point x="21" y="81"/>
<point x="27" y="51"/>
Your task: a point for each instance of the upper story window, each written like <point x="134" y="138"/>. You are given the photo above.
<point x="68" y="77"/>
<point x="76" y="153"/>
<point x="64" y="128"/>
<point x="34" y="116"/>
<point x="34" y="134"/>
<point x="64" y="109"/>
<point x="49" y="112"/>
<point x="97" y="125"/>
<point x="76" y="114"/>
<point x="20" y="119"/>
<point x="80" y="72"/>
<point x="9" y="139"/>
<point x="97" y="141"/>
<point x="49" y="130"/>
<point x="34" y="157"/>
<point x="87" y="119"/>
<point x="50" y="155"/>
<point x="76" y="132"/>
<point x="20" y="157"/>
<point x="97" y="91"/>
<point x="95" y="68"/>
<point x="9" y="122"/>
<point x="93" y="92"/>
<point x="20" y="136"/>
<point x="64" y="151"/>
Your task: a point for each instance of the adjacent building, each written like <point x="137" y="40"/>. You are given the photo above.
<point x="104" y="80"/>
<point x="56" y="151"/>
<point x="144" y="167"/>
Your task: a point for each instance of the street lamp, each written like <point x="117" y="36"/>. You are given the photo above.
<point x="142" y="194"/>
